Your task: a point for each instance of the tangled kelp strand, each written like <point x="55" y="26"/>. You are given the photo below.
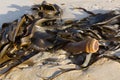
<point x="45" y="31"/>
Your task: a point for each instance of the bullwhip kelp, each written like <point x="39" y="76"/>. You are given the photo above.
<point x="86" y="40"/>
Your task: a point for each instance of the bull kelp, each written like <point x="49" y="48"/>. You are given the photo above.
<point x="86" y="40"/>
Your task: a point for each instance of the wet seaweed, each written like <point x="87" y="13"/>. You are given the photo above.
<point x="44" y="30"/>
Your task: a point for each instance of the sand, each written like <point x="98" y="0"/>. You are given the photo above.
<point x="33" y="69"/>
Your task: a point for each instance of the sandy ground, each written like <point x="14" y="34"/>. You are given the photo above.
<point x="13" y="9"/>
<point x="103" y="69"/>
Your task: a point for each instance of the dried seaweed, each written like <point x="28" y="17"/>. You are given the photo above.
<point x="44" y="31"/>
